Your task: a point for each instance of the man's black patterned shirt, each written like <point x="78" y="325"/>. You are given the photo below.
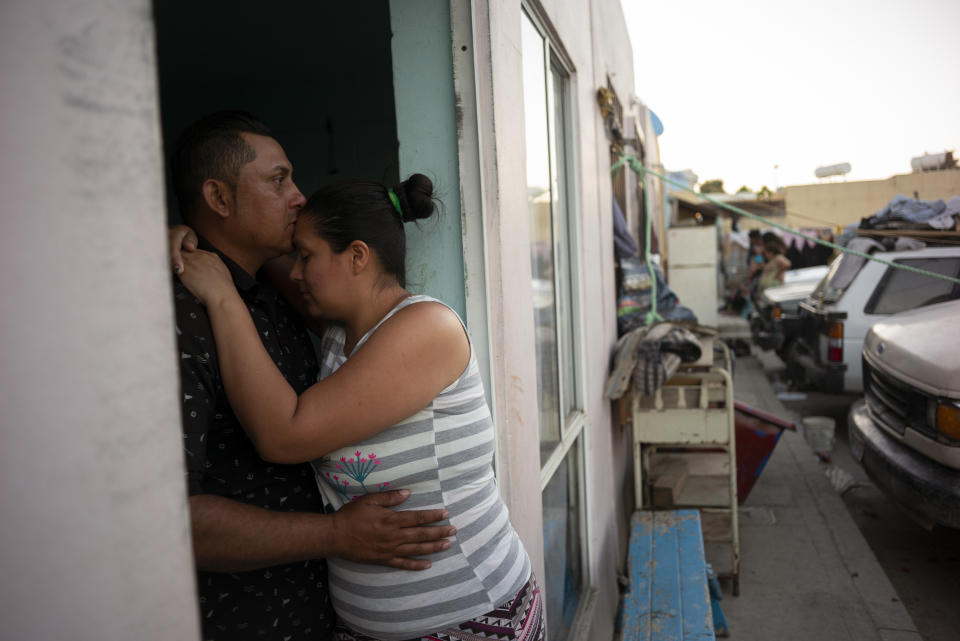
<point x="283" y="602"/>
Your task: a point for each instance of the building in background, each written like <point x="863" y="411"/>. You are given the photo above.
<point x="832" y="204"/>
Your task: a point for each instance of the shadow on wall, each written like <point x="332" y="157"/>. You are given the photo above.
<point x="320" y="74"/>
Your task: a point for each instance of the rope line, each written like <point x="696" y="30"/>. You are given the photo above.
<point x="638" y="167"/>
<point x="652" y="316"/>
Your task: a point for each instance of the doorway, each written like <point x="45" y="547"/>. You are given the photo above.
<point x="319" y="74"/>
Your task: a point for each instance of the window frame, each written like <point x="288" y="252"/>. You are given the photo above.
<point x="573" y="423"/>
<point x="574" y="433"/>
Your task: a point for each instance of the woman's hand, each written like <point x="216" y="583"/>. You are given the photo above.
<point x="181" y="238"/>
<point x="207" y="278"/>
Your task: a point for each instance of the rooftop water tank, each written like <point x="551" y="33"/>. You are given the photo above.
<point x="832" y="170"/>
<point x="933" y="162"/>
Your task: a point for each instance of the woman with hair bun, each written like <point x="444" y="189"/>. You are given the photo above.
<point x="399" y="404"/>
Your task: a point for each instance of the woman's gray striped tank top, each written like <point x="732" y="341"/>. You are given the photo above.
<point x="444" y="456"/>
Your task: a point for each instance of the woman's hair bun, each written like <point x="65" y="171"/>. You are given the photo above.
<point x="416" y="197"/>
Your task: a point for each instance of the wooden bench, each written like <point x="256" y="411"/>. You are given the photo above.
<point x="668" y="598"/>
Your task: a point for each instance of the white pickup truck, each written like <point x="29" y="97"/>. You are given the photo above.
<point x="775" y="320"/>
<point x="855" y="294"/>
<point x="906" y="431"/>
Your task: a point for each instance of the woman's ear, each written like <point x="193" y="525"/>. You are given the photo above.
<point x="218" y="197"/>
<point x="359" y="256"/>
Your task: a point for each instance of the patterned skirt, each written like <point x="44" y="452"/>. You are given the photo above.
<point x="519" y="619"/>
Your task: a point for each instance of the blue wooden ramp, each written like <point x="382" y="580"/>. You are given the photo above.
<point x="668" y="598"/>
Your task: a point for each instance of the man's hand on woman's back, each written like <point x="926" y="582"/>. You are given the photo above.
<point x="368" y="531"/>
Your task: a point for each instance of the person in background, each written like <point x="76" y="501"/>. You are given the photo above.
<point x="823" y="255"/>
<point x="755" y="262"/>
<point x="775" y="266"/>
<point x="755" y="254"/>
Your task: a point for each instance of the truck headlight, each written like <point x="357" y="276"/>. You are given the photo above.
<point x="944" y="416"/>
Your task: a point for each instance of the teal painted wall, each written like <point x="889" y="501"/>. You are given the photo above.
<point x="427" y="133"/>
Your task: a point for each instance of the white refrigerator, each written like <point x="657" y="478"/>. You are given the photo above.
<point x="692" y="270"/>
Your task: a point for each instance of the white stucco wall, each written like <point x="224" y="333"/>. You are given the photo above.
<point x="596" y="40"/>
<point x="613" y="60"/>
<point x="94" y="539"/>
<point x="500" y="115"/>
<point x="600" y="54"/>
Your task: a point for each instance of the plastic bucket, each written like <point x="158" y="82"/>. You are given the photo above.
<point x="818" y="432"/>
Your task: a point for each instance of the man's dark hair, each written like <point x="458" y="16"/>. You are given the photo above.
<point x="212" y="147"/>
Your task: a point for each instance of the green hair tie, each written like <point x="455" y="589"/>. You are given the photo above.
<point x="395" y="201"/>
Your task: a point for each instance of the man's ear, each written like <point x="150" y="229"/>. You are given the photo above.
<point x="359" y="255"/>
<point x="218" y="196"/>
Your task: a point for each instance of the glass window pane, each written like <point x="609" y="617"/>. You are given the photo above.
<point x="563" y="584"/>
<point x="907" y="290"/>
<point x="542" y="260"/>
<point x="534" y="102"/>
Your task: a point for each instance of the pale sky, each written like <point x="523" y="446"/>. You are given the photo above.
<point x="744" y="85"/>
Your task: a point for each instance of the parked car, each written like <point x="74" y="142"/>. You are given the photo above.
<point x="855" y="294"/>
<point x="775" y="320"/>
<point x="906" y="430"/>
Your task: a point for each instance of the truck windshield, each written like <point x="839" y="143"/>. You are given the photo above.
<point x="843" y="270"/>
